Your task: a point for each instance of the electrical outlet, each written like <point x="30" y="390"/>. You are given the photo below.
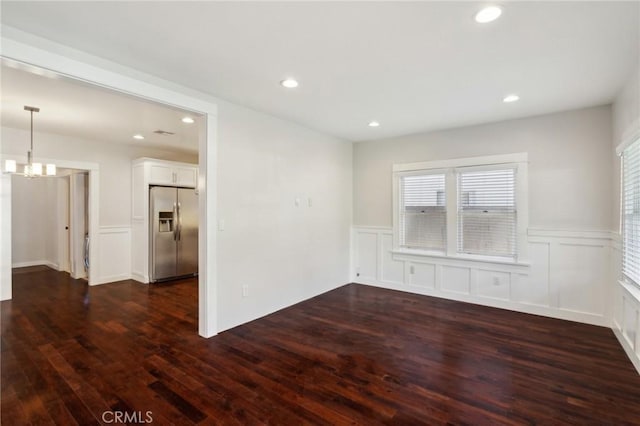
<point x="245" y="290"/>
<point x="310" y="202"/>
<point x="412" y="269"/>
<point x="496" y="281"/>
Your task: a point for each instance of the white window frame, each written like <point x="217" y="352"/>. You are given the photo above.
<point x="519" y="161"/>
<point x="396" y="219"/>
<point x="630" y="140"/>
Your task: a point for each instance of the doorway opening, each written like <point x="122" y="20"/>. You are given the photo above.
<point x="65" y="68"/>
<point x="50" y="222"/>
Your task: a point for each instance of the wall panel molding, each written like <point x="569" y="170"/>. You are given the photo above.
<point x="114" y="248"/>
<point x="568" y="276"/>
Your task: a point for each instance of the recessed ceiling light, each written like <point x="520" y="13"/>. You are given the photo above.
<point x="374" y="124"/>
<point x="289" y="83"/>
<point x="510" y="98"/>
<point x="188" y="120"/>
<point x="488" y="14"/>
<point x="139" y="137"/>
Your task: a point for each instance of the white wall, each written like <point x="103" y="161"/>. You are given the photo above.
<point x="626" y="108"/>
<point x="31" y="235"/>
<point x="301" y="257"/>
<point x="625" y="113"/>
<point x="626" y="300"/>
<point x="569" y="167"/>
<point x="34" y="211"/>
<point x="283" y="253"/>
<point x="569" y="241"/>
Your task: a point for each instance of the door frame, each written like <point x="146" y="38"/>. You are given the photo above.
<point x="28" y="50"/>
<point x="64" y="252"/>
<point x="94" y="197"/>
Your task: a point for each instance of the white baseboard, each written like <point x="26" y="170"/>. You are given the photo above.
<point x="111" y="279"/>
<point x="36" y="263"/>
<point x="627" y="349"/>
<point x="140" y="278"/>
<point x="566" y="275"/>
<point x="502" y="304"/>
<point x="79" y="276"/>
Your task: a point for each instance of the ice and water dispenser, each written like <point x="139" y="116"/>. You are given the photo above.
<point x="165" y="220"/>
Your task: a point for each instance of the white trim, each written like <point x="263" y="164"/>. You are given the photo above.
<point x="143" y="160"/>
<point x="62" y="60"/>
<point x="635" y="360"/>
<point x="36" y="263"/>
<point x="629" y="296"/>
<point x="631" y="135"/>
<point x="94" y="219"/>
<point x="632" y="291"/>
<point x="521" y="157"/>
<point x="5" y="237"/>
<point x="109" y="279"/>
<point x="550" y="312"/>
<point x="542" y="302"/>
<point x="572" y="233"/>
<point x="79" y="165"/>
<point x="451" y="169"/>
<point x="408" y="254"/>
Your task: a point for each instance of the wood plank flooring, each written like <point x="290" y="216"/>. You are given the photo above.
<point x="355" y="355"/>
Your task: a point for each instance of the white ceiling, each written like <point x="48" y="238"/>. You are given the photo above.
<point x="412" y="66"/>
<point x="76" y="109"/>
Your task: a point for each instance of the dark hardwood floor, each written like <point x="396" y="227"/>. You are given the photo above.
<point x="355" y="355"/>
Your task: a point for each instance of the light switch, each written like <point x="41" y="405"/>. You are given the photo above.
<point x="310" y="203"/>
<point x="221" y="225"/>
<point x="297" y="201"/>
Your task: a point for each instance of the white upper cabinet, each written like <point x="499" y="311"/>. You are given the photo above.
<point x="172" y="174"/>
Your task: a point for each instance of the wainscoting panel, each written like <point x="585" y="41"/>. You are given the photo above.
<point x="494" y="285"/>
<point x="421" y="274"/>
<point x="455" y="280"/>
<point x="567" y="275"/>
<point x="114" y="250"/>
<point x="582" y="276"/>
<point x="392" y="270"/>
<point x="367" y="255"/>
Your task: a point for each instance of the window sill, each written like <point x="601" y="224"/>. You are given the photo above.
<point x="460" y="257"/>
<point x="632" y="289"/>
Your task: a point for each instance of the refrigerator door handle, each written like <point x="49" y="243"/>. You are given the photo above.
<point x="175" y="220"/>
<point x="179" y="223"/>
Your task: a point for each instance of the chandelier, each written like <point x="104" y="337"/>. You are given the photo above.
<point x="31" y="169"/>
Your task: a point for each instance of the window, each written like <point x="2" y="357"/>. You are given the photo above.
<point x="487" y="212"/>
<point x="631" y="212"/>
<point x="465" y="208"/>
<point x="423" y="215"/>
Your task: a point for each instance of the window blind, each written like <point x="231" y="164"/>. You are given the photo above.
<point x="631" y="212"/>
<point x="423" y="215"/>
<point x="487" y="212"/>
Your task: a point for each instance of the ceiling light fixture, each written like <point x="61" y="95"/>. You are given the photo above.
<point x="374" y="124"/>
<point x="30" y="169"/>
<point x="510" y="98"/>
<point x="188" y="120"/>
<point x="289" y="83"/>
<point x="139" y="137"/>
<point x="488" y="14"/>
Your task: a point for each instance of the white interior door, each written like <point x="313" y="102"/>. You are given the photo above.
<point x="77" y="226"/>
<point x="63" y="223"/>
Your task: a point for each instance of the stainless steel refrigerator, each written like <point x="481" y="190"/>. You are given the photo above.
<point x="174" y="232"/>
